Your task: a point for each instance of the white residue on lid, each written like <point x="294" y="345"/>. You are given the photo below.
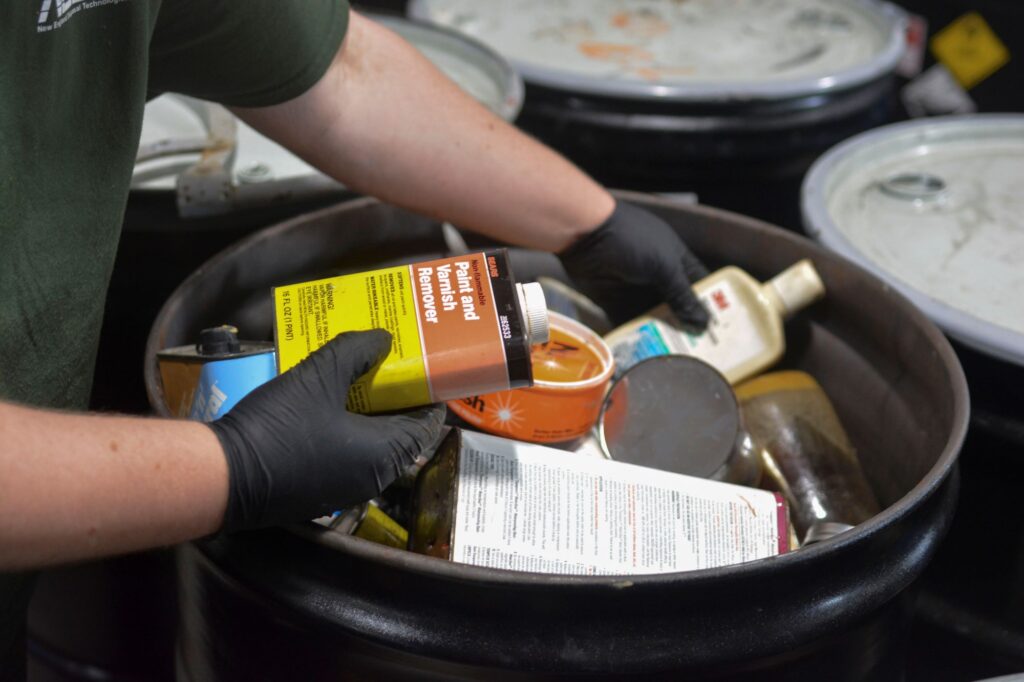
<point x="961" y="241"/>
<point x="673" y="40"/>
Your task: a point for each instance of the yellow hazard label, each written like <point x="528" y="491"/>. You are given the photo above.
<point x="970" y="49"/>
<point x="310" y="314"/>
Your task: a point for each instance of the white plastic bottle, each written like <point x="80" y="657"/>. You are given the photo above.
<point x="745" y="333"/>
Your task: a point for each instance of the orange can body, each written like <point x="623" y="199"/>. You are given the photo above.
<point x="571" y="374"/>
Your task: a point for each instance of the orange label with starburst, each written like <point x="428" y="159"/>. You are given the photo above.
<point x="571" y="375"/>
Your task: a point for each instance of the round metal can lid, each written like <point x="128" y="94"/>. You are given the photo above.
<point x="672" y="412"/>
<point x="699" y="50"/>
<point x="935" y="208"/>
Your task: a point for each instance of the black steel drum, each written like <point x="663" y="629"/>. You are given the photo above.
<point x="302" y="604"/>
<point x="933" y="207"/>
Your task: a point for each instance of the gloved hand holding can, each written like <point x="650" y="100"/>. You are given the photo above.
<point x="634" y="261"/>
<point x="295" y="452"/>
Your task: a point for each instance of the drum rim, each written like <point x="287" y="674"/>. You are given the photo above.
<point x="909" y="503"/>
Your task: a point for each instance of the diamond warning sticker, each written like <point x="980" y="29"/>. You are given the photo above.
<point x="970" y="49"/>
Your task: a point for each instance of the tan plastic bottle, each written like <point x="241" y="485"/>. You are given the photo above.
<point x="745" y="334"/>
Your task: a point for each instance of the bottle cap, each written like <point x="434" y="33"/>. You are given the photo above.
<point x="795" y="288"/>
<point x="535" y="312"/>
<point x="218" y="340"/>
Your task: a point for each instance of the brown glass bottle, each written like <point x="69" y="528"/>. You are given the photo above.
<point x="807" y="455"/>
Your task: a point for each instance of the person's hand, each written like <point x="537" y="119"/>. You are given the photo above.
<point x="634" y="261"/>
<point x="295" y="452"/>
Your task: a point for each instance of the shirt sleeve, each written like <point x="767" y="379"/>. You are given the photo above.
<point x="246" y="53"/>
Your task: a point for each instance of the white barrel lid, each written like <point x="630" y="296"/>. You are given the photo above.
<point x="698" y="50"/>
<point x="478" y="70"/>
<point x="936" y="208"/>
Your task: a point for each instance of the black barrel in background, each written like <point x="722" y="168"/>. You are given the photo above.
<point x="740" y="142"/>
<point x="747" y="157"/>
<point x="298" y="604"/>
<point x="932" y="206"/>
<point x="970" y="615"/>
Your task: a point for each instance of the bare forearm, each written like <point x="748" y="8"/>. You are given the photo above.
<point x="77" y="486"/>
<point x="384" y="121"/>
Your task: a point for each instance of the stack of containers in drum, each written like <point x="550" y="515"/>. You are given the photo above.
<point x="306" y="603"/>
<point x="936" y="208"/>
<point x="731" y="100"/>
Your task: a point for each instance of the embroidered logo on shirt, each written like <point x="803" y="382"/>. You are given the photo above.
<point x="55" y="13"/>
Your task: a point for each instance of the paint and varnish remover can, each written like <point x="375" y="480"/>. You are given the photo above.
<point x="460" y="326"/>
<point x="571" y="374"/>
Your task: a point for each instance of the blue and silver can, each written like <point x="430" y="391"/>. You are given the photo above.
<point x="206" y="380"/>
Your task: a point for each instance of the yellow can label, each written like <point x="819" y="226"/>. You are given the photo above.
<point x="310" y="314"/>
<point x="449" y="324"/>
<point x="970" y="49"/>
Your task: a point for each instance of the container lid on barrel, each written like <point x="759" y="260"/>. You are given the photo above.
<point x="698" y="50"/>
<point x="935" y="208"/>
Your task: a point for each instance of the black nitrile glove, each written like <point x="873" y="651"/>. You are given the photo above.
<point x="633" y="262"/>
<point x="295" y="452"/>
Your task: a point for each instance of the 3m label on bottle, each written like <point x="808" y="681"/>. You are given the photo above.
<point x="448" y="331"/>
<point x="731" y="338"/>
<point x="531" y="508"/>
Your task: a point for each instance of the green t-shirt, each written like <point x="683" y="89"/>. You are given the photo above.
<point x="74" y="78"/>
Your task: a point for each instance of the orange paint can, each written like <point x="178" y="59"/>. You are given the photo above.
<point x="571" y="374"/>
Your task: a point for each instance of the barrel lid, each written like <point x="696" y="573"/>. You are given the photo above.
<point x="935" y="208"/>
<point x="699" y="50"/>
